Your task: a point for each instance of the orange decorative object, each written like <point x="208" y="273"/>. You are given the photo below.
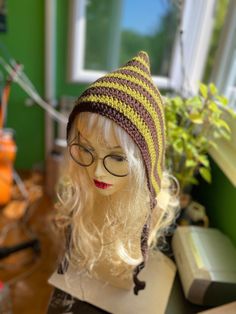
<point x="7" y="157"/>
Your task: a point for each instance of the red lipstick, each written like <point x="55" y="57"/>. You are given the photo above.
<point x="101" y="185"/>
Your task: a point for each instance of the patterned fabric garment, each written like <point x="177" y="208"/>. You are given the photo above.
<point x="63" y="303"/>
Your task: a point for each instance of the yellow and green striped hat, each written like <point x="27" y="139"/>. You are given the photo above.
<point x="129" y="97"/>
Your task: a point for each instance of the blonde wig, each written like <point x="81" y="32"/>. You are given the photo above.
<point x="113" y="241"/>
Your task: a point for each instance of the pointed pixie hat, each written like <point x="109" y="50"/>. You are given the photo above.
<point x="129" y="97"/>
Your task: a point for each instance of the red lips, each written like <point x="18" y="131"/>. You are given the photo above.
<point x="101" y="185"/>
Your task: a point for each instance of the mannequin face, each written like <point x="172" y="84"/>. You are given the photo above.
<point x="103" y="182"/>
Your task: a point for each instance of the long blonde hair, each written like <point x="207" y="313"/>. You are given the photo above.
<point x="126" y="212"/>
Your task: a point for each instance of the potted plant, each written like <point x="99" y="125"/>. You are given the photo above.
<point x="193" y="126"/>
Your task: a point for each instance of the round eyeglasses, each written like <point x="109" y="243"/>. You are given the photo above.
<point x="115" y="164"/>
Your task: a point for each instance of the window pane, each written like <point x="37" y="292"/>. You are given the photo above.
<point x="117" y="29"/>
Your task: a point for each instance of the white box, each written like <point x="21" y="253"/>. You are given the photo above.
<point x="206" y="261"/>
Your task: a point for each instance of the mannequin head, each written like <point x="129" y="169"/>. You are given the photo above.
<point x="114" y="193"/>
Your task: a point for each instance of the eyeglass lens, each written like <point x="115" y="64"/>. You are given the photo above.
<point x="115" y="164"/>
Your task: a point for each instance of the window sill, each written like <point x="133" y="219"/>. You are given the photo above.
<point x="225" y="155"/>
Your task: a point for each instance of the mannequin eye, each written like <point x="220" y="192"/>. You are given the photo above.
<point x="85" y="149"/>
<point x="118" y="158"/>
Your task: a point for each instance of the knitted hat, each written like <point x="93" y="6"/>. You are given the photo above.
<point x="129" y="97"/>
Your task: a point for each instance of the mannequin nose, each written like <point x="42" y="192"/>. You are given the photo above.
<point x="99" y="171"/>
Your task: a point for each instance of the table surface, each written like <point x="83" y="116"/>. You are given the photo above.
<point x="177" y="303"/>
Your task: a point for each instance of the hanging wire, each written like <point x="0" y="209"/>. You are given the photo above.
<point x="20" y="185"/>
<point x="17" y="74"/>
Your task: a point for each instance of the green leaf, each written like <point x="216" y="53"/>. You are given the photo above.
<point x="196" y="118"/>
<point x="219" y="123"/>
<point x="223" y="100"/>
<point x="225" y="125"/>
<point x="213" y="89"/>
<point x="178" y="146"/>
<point x="193" y="181"/>
<point x="192" y="148"/>
<point x="205" y="173"/>
<point x="213" y="107"/>
<point x="203" y="90"/>
<point x="184" y="135"/>
<point x="225" y="134"/>
<point x="177" y="101"/>
<point x="195" y="102"/>
<point x="190" y="163"/>
<point x="203" y="160"/>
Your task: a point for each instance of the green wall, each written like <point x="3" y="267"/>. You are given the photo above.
<point x="24" y="41"/>
<point x="219" y="198"/>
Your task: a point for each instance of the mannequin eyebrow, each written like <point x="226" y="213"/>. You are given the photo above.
<point x="109" y="147"/>
<point x="115" y="147"/>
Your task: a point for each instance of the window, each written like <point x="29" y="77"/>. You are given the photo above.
<point x="224" y="72"/>
<point x="106" y="33"/>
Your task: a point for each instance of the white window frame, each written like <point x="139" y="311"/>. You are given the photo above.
<point x="224" y="76"/>
<point x="224" y="71"/>
<point x="197" y="25"/>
